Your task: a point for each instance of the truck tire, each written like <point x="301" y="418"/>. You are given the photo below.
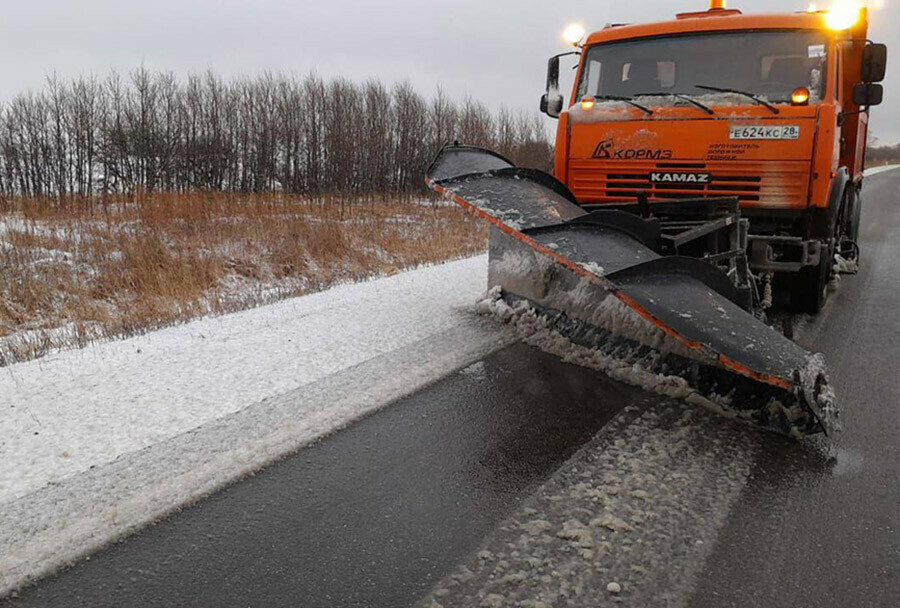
<point x="811" y="287"/>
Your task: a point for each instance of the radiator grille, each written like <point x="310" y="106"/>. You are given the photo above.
<point x="782" y="184"/>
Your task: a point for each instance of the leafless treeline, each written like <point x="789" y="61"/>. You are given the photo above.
<point x="882" y="155"/>
<point x="150" y="131"/>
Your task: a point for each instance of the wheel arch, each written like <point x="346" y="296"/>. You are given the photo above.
<point x="821" y="221"/>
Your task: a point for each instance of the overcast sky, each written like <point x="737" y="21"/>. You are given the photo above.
<point x="493" y="50"/>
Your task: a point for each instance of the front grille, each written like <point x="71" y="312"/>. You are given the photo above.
<point x="782" y="184"/>
<point x="624" y="185"/>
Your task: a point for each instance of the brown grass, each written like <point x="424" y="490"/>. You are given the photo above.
<point x="75" y="271"/>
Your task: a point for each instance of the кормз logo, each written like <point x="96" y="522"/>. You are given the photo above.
<point x="603" y="148"/>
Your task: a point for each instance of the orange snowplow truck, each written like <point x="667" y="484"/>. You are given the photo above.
<point x="770" y="109"/>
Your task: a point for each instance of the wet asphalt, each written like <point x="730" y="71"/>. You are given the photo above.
<point x="376" y="514"/>
<point x="371" y="516"/>
<point x="819" y="524"/>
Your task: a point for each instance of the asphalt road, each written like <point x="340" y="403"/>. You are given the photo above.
<point x="819" y="524"/>
<point x="380" y="513"/>
<point x="371" y="516"/>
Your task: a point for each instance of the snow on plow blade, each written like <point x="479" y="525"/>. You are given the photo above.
<point x="599" y="279"/>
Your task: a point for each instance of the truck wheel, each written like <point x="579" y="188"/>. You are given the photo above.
<point x="811" y="287"/>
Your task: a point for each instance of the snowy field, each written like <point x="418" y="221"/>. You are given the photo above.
<point x="73" y="275"/>
<point x="98" y="441"/>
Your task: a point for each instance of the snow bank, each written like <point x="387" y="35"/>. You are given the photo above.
<point x="877" y="170"/>
<point x="73" y="410"/>
<point x="97" y="442"/>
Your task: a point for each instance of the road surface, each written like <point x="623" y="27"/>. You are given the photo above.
<point x="820" y="525"/>
<point x="422" y="499"/>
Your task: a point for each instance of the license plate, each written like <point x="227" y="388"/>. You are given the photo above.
<point x="756" y="132"/>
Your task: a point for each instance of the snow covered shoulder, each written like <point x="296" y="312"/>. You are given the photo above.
<point x="98" y="442"/>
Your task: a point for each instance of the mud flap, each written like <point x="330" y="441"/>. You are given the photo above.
<point x="568" y="262"/>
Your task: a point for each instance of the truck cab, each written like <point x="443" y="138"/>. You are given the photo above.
<point x="769" y="109"/>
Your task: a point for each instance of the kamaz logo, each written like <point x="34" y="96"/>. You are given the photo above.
<point x="680" y="178"/>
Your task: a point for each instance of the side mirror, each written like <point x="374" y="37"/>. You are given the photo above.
<point x="552" y="102"/>
<point x="868" y="94"/>
<point x="874" y="66"/>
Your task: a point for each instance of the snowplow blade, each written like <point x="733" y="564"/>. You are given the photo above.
<point x="599" y="279"/>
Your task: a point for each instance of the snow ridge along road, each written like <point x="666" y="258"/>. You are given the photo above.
<point x="99" y="442"/>
<point x="877" y="170"/>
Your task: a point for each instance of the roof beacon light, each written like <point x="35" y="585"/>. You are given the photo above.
<point x="717" y="5"/>
<point x="587" y="102"/>
<point x="574" y="34"/>
<point x="843" y="15"/>
<point x="800" y="96"/>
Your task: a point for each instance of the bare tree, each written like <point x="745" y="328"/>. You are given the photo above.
<point x="273" y="132"/>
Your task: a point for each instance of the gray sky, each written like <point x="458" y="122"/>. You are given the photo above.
<point x="494" y="50"/>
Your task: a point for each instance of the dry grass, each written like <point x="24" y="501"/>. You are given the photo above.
<point x="74" y="272"/>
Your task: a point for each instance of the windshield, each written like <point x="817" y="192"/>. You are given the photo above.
<point x="768" y="64"/>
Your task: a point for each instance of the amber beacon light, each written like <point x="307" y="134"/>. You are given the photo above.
<point x="717" y="5"/>
<point x="800" y="97"/>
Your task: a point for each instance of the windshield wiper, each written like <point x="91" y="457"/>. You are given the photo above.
<point x="761" y="102"/>
<point x="686" y="98"/>
<point x="627" y="100"/>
